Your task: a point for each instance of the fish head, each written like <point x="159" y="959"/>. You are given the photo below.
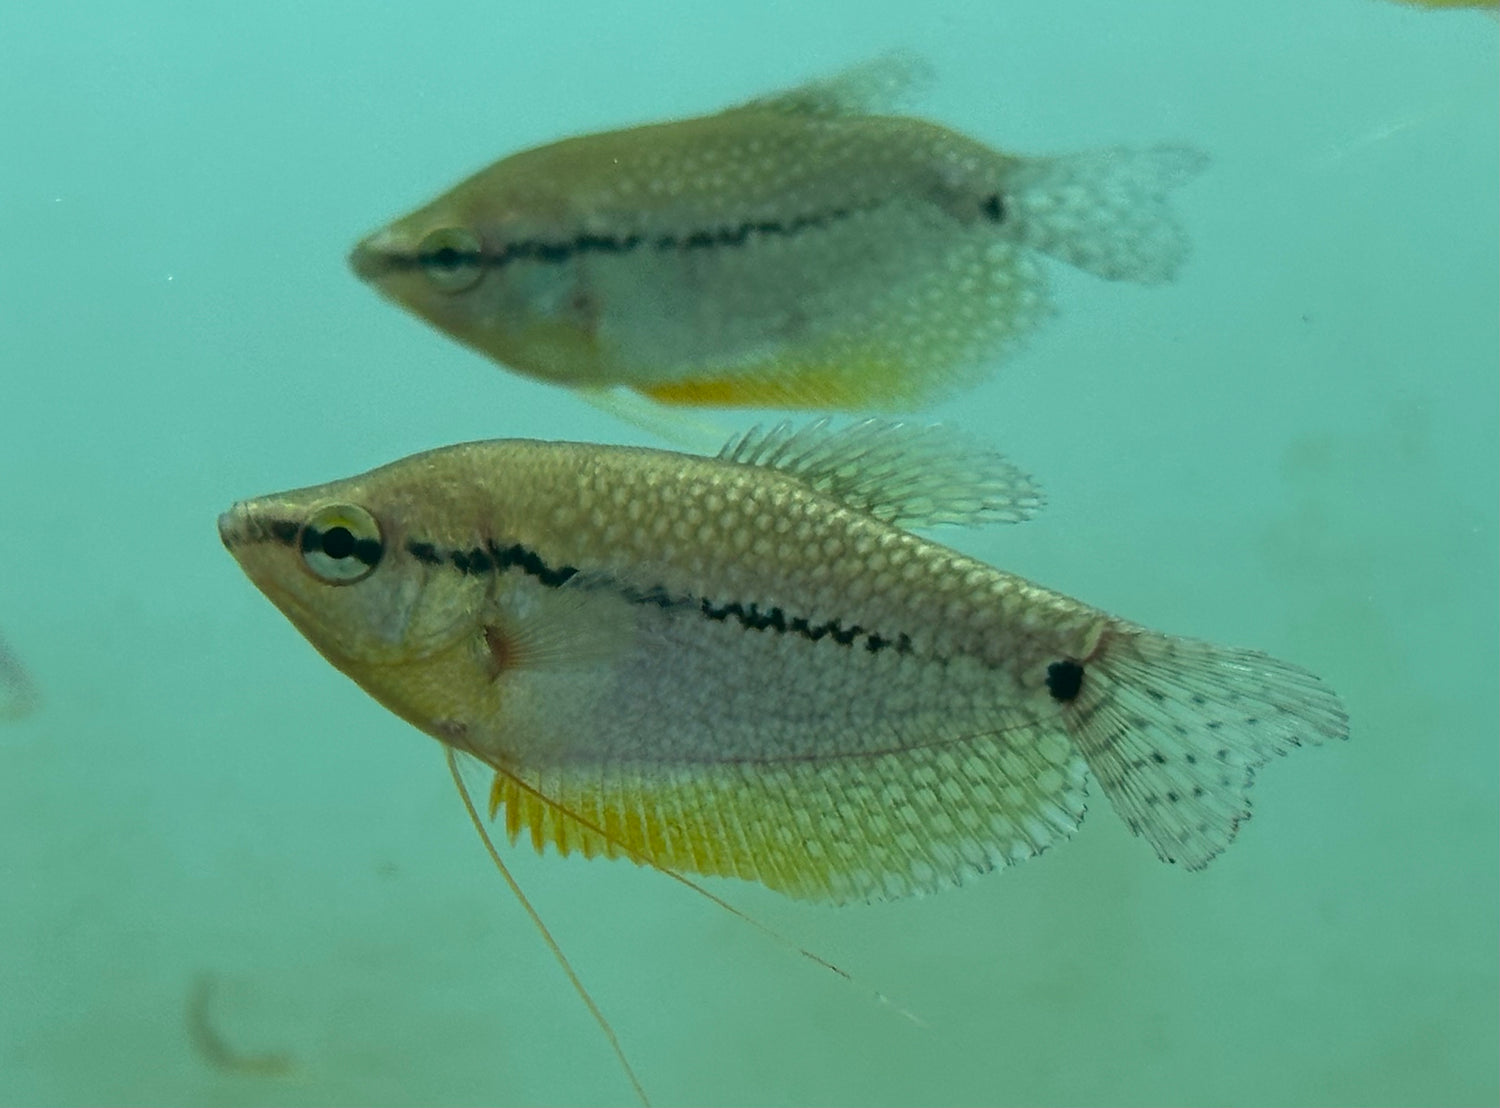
<point x="482" y="263"/>
<point x="342" y="563"/>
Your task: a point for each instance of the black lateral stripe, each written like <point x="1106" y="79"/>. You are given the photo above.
<point x="289" y="532"/>
<point x="541" y="250"/>
<point x="493" y="558"/>
<point x="529" y="563"/>
<point x="774" y="619"/>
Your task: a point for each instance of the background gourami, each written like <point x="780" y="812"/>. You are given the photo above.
<point x="1293" y="445"/>
<point x="810" y="248"/>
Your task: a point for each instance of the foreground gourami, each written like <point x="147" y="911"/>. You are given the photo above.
<point x="748" y="666"/>
<point x="803" y="250"/>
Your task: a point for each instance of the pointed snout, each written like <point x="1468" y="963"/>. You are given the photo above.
<point x="230" y="527"/>
<point x="373" y="257"/>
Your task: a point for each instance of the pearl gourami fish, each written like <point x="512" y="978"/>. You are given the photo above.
<point x="803" y="250"/>
<point x="747" y="665"/>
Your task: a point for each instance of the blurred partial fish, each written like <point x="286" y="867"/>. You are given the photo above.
<point x="802" y="250"/>
<point x="1487" y="5"/>
<point x="18" y="694"/>
<point x="749" y="666"/>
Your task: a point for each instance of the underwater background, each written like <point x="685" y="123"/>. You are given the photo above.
<point x="227" y="876"/>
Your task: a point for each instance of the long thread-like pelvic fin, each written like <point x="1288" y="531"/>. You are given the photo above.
<point x="507" y="789"/>
<point x="536" y="919"/>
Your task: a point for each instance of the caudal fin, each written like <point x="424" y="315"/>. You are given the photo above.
<point x="1105" y="211"/>
<point x="1175" y="729"/>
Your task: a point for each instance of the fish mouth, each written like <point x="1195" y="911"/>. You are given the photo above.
<point x="246" y="523"/>
<point x="371" y="259"/>
<point x="231" y="533"/>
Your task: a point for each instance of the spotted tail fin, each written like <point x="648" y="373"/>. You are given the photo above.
<point x="1175" y="729"/>
<point x="1105" y="211"/>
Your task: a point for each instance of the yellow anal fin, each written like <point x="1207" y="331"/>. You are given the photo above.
<point x="846" y="829"/>
<point x="523" y="803"/>
<point x="896" y="349"/>
<point x="865" y="384"/>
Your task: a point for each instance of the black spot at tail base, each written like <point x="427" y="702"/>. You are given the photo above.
<point x="1064" y="680"/>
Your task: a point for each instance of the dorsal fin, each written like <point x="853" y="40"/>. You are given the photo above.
<point x="874" y="87"/>
<point x="902" y="473"/>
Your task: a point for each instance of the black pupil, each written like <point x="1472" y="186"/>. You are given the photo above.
<point x="447" y="257"/>
<point x="338" y="542"/>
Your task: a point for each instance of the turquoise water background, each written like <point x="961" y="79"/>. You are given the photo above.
<point x="1294" y="447"/>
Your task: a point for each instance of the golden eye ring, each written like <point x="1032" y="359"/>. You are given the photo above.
<point x="340" y="544"/>
<point x="452" y="258"/>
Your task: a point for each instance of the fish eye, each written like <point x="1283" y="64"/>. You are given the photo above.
<point x="340" y="544"/>
<point x="451" y="258"/>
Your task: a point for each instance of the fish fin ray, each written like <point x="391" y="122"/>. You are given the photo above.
<point x="902" y="342"/>
<point x="881" y="84"/>
<point x="909" y="475"/>
<point x="1105" y="211"/>
<point x="1175" y="729"/>
<point x="876" y="826"/>
<point x="671" y="424"/>
<point x="559" y="627"/>
<point x="509" y="792"/>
